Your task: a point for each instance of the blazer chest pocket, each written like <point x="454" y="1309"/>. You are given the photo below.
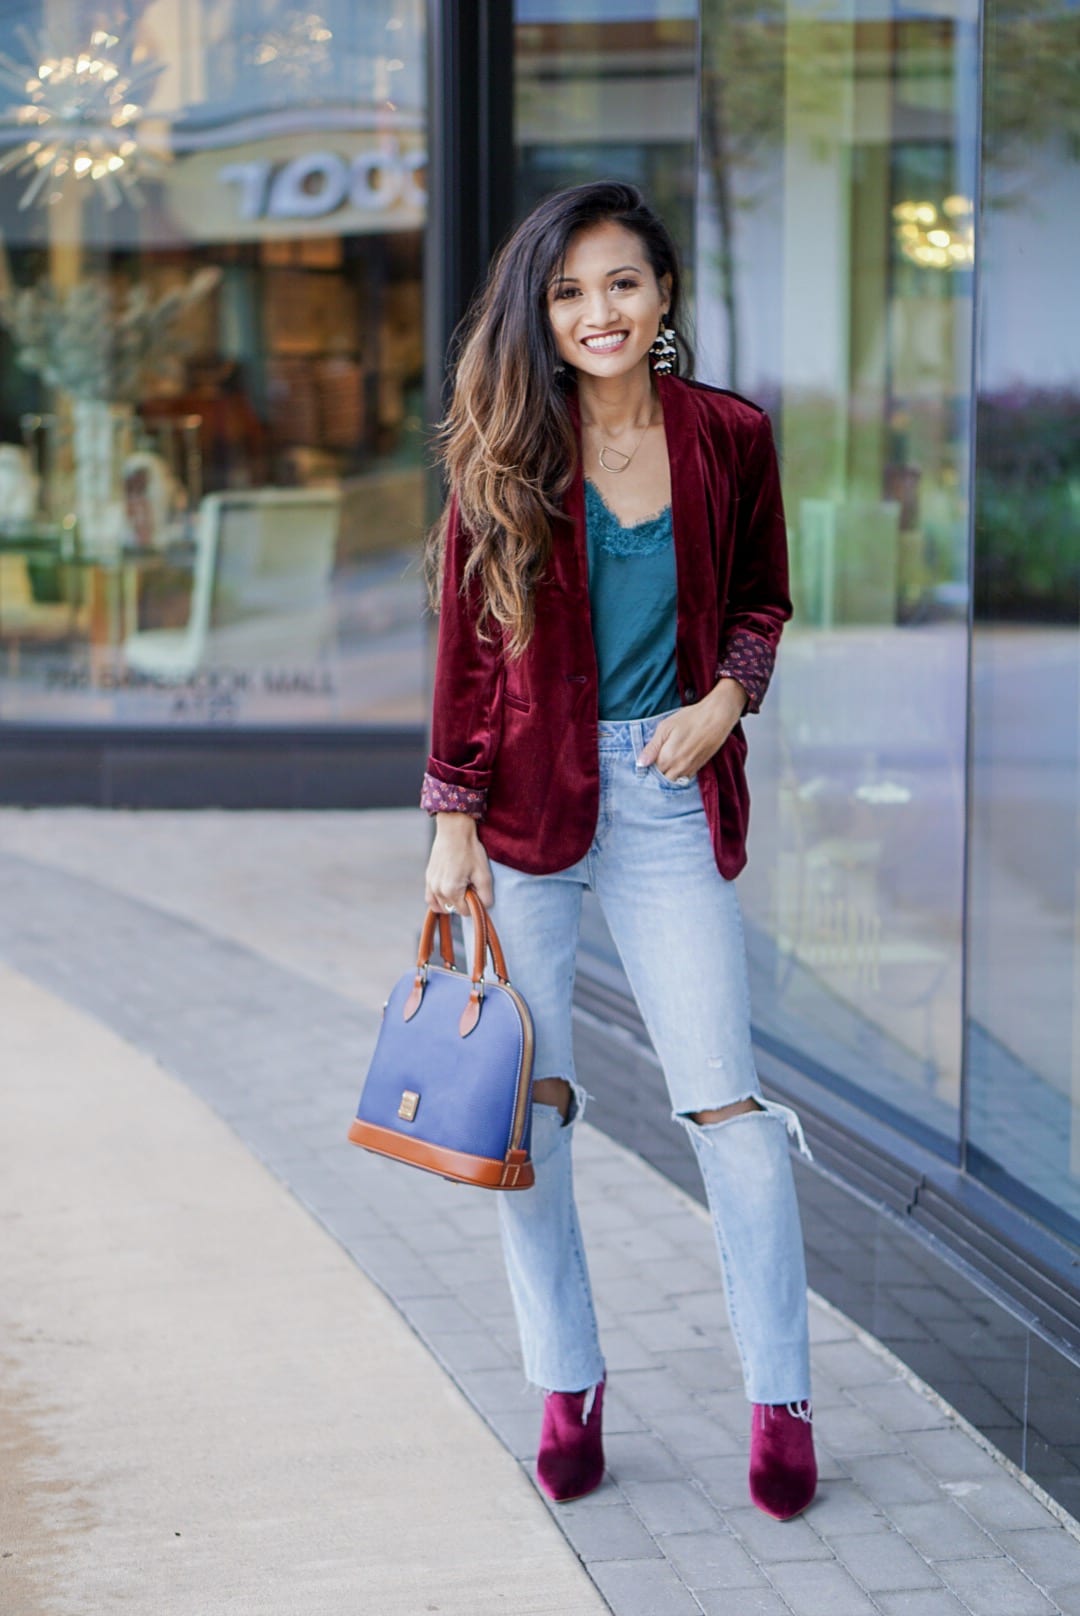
<point x="518" y="703"/>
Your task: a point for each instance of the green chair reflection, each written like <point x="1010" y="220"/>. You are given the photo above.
<point x="29" y="615"/>
<point x="846" y="561"/>
<point x="261" y="590"/>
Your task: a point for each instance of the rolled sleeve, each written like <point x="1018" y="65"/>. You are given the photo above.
<point x="441" y="797"/>
<point x="749" y="659"/>
<point x="464" y="731"/>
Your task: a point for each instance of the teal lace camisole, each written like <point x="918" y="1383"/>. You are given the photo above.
<point x="632" y="599"/>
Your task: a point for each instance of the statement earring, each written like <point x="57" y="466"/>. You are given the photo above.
<point x="663" y="351"/>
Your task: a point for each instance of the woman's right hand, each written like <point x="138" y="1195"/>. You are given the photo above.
<point x="457" y="861"/>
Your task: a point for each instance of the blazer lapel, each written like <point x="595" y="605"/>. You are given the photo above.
<point x="689" y="506"/>
<point x="572" y="560"/>
<point x="689" y="503"/>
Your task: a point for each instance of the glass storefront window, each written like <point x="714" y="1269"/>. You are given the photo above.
<point x="607" y="89"/>
<point x="211" y="437"/>
<point x="830" y="237"/>
<point x="1023" y="1122"/>
<point x="834" y="275"/>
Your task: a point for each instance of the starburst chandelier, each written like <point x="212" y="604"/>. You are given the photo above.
<point x="76" y="116"/>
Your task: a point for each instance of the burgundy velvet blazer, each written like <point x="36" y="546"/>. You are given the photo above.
<point x="515" y="743"/>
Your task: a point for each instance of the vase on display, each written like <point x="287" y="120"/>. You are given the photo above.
<point x="100" y="344"/>
<point x="102" y="439"/>
<point x="18" y="485"/>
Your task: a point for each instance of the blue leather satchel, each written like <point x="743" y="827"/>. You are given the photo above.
<point x="450" y="1083"/>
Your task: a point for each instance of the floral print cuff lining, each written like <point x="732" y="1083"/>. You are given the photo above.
<point x="437" y="797"/>
<point x="749" y="660"/>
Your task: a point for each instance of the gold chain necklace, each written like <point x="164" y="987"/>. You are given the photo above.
<point x="609" y="449"/>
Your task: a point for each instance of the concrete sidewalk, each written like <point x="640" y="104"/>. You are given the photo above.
<point x="206" y="1405"/>
<point x="186" y="1351"/>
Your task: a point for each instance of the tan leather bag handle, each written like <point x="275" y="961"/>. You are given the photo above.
<point x="485" y="939"/>
<point x="427" y="939"/>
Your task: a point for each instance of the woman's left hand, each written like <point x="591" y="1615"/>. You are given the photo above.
<point x="688" y="739"/>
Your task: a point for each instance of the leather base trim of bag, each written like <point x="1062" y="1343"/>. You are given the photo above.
<point x="516" y="1173"/>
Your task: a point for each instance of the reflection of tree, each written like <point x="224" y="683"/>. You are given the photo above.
<point x="1032" y="69"/>
<point x="1028" y="483"/>
<point x="769" y="76"/>
<point x="755" y="62"/>
<point x="742" y="97"/>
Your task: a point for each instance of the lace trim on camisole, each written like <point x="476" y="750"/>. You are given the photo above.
<point x="641" y="538"/>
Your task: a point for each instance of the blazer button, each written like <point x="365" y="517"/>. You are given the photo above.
<point x="689" y="693"/>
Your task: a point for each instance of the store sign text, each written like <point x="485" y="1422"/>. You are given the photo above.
<point x="318" y="183"/>
<point x="210" y="695"/>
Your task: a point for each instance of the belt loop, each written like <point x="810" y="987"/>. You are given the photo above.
<point x="637" y="737"/>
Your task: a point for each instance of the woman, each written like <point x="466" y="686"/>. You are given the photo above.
<point x="611" y="577"/>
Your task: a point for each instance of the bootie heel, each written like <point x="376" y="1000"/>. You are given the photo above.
<point x="783" y="1468"/>
<point x="571" y="1458"/>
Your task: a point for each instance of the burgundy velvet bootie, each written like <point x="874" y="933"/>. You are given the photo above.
<point x="783" y="1469"/>
<point x="571" y="1458"/>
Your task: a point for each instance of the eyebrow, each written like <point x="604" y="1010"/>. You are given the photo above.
<point x="607" y="275"/>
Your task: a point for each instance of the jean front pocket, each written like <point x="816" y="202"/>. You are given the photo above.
<point x="677" y="786"/>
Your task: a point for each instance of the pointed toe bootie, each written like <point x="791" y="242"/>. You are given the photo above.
<point x="783" y="1469"/>
<point x="571" y="1458"/>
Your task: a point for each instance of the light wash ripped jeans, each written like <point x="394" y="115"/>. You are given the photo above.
<point x="678" y="929"/>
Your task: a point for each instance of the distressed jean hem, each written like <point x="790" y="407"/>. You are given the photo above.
<point x="773" y="1393"/>
<point x="586" y="1379"/>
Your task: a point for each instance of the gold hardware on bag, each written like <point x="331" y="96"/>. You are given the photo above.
<point x="409" y="1102"/>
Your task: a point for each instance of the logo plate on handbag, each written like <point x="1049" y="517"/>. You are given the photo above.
<point x="409" y="1102"/>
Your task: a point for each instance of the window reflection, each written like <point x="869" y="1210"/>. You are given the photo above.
<point x="605" y="90"/>
<point x="834" y="286"/>
<point x="210" y="404"/>
<point x="1024" y="904"/>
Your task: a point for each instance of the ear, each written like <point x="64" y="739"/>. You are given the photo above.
<point x="664" y="284"/>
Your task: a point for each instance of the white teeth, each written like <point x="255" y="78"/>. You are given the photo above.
<point x="604" y="344"/>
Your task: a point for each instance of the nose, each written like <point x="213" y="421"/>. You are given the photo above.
<point x="598" y="311"/>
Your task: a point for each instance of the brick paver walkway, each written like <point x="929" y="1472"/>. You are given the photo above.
<point x="197" y="965"/>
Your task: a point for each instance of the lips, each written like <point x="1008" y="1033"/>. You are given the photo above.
<point x="608" y="343"/>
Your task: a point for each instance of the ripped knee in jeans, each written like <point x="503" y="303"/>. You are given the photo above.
<point x="567" y="1096"/>
<point x="724" y="1113"/>
<point x="721" y="1116"/>
<point x="554" y="1091"/>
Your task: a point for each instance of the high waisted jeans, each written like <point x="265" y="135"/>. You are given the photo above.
<point x="677" y="926"/>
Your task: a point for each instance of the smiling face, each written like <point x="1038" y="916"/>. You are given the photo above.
<point x="606" y="303"/>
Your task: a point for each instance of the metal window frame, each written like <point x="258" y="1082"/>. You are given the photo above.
<point x="470" y="55"/>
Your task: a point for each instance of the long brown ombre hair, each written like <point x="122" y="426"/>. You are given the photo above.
<point x="508" y="444"/>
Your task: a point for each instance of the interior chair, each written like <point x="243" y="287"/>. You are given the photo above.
<point x="25" y="620"/>
<point x="261" y="589"/>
